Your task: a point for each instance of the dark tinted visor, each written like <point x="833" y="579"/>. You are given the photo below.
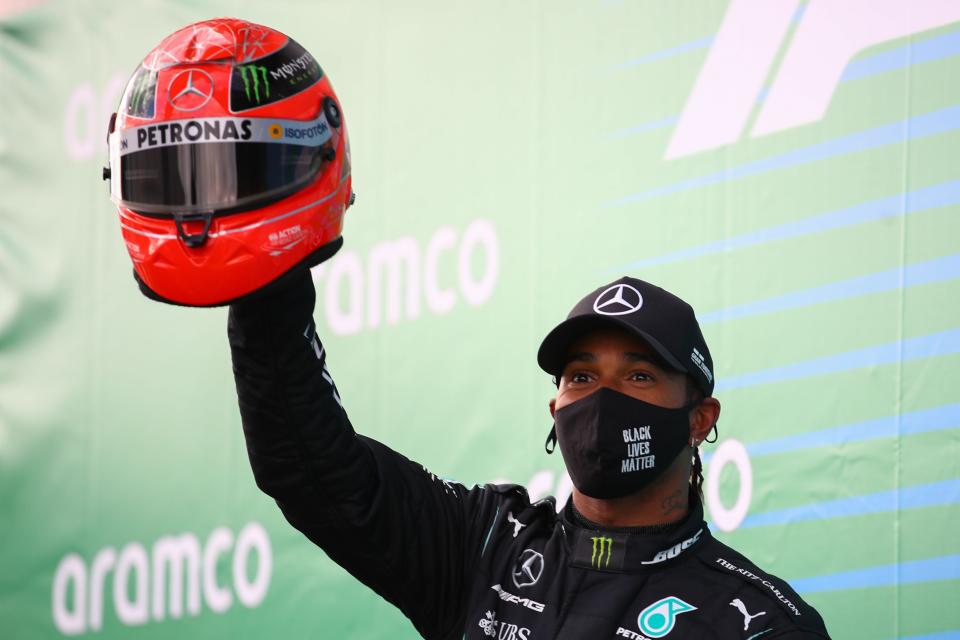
<point x="192" y="166"/>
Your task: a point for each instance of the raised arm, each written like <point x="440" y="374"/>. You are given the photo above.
<point x="391" y="523"/>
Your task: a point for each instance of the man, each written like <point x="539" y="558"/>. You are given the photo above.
<point x="209" y="218"/>
<point x="629" y="556"/>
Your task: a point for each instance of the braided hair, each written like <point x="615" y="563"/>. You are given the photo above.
<point x="695" y="396"/>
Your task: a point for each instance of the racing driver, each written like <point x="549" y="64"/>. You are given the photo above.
<point x="628" y="556"/>
<point x="230" y="168"/>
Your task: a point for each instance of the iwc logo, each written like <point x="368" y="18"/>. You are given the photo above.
<point x="618" y="300"/>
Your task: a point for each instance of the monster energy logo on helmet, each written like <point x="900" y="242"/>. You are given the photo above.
<point x="272" y="78"/>
<point x="254" y="77"/>
<point x="602" y="549"/>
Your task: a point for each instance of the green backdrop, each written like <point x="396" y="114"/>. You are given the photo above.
<point x="788" y="167"/>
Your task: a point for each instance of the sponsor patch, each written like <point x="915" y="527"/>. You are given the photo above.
<point x="273" y="77"/>
<point x="697" y="358"/>
<point x="309" y="133"/>
<point x="514" y="599"/>
<point x="762" y="580"/>
<point x="501" y="630"/>
<point x="657" y="620"/>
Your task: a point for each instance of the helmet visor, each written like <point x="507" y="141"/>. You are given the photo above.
<point x="215" y="164"/>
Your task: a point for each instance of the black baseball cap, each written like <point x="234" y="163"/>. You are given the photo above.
<point x="663" y="320"/>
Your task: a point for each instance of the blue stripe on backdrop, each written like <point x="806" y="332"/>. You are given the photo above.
<point x="911" y="423"/>
<point x="915" y="497"/>
<point x="938" y="195"/>
<point x="936" y="48"/>
<point x="937" y="270"/>
<point x="643" y="126"/>
<point x="928" y="570"/>
<point x="927" y="124"/>
<point x="940" y="635"/>
<point x="935" y="344"/>
<point x="663" y="54"/>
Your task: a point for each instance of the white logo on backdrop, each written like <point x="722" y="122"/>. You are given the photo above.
<point x="87" y="115"/>
<point x="399" y="277"/>
<point x="751" y="36"/>
<point x="733" y="452"/>
<point x="152" y="597"/>
<point x="618" y="300"/>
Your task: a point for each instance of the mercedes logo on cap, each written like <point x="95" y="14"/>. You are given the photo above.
<point x="528" y="569"/>
<point x="189" y="90"/>
<point x="618" y="300"/>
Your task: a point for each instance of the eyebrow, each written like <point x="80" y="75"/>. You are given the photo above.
<point x="632" y="356"/>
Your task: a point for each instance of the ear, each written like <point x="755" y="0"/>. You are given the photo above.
<point x="553" y="407"/>
<point x="702" y="419"/>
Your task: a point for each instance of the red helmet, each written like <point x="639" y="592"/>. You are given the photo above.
<point x="229" y="163"/>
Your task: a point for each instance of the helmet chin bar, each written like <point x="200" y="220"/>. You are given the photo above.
<point x="196" y="239"/>
<point x="318" y="255"/>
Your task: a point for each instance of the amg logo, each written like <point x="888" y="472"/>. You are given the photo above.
<point x="524" y="602"/>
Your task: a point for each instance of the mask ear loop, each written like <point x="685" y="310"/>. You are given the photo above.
<point x="551" y="444"/>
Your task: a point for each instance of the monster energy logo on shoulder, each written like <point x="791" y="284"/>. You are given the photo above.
<point x="141" y="93"/>
<point x="254" y="76"/>
<point x="602" y="548"/>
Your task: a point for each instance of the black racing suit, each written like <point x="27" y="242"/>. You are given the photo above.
<point x="478" y="563"/>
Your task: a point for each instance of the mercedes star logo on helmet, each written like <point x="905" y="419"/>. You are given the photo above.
<point x="618" y="300"/>
<point x="528" y="569"/>
<point x="189" y="90"/>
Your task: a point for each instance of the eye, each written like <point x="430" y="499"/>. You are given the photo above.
<point x="579" y="377"/>
<point x="641" y="376"/>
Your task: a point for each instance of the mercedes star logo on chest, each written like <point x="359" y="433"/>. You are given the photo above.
<point x="528" y="569"/>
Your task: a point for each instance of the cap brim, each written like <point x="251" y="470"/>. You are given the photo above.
<point x="553" y="352"/>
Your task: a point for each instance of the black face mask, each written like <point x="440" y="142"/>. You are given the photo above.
<point x="614" y="445"/>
